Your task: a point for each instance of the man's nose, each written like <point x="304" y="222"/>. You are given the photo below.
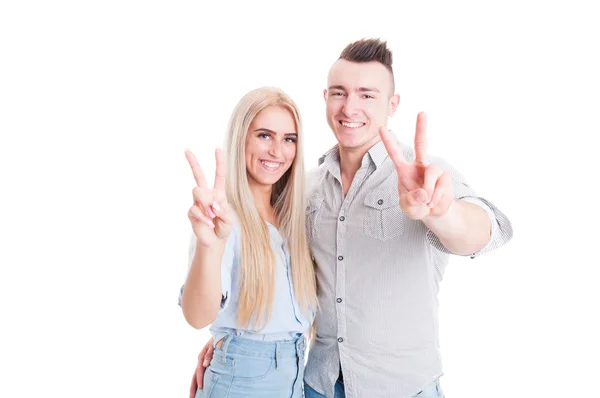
<point x="351" y="106"/>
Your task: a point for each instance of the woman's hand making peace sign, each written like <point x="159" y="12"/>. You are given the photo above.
<point x="210" y="214"/>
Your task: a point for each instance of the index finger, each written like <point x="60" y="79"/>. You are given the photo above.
<point x="392" y="147"/>
<point x="220" y="170"/>
<point x="196" y="169"/>
<point x="421" y="140"/>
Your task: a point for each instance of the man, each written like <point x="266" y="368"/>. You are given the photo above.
<point x="382" y="220"/>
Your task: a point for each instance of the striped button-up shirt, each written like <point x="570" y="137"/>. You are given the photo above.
<point x="378" y="275"/>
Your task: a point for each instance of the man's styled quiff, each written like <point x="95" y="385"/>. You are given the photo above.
<point x="370" y="50"/>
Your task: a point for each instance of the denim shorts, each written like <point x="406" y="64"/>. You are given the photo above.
<point x="249" y="368"/>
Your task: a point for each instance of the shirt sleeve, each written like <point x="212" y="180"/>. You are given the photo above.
<point x="501" y="226"/>
<point x="226" y="266"/>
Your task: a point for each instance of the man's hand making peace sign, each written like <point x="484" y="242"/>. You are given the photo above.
<point x="425" y="189"/>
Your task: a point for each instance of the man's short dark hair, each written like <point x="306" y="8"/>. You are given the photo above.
<point x="370" y="50"/>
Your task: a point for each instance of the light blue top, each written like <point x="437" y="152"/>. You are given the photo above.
<point x="287" y="318"/>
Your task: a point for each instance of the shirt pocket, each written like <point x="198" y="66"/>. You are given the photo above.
<point x="383" y="219"/>
<point x="313" y="217"/>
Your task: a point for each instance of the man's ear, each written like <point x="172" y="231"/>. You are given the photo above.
<point x="393" y="105"/>
<point x="325" y="94"/>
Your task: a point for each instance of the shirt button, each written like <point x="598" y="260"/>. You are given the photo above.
<point x="380" y="202"/>
<point x="341" y="340"/>
<point x="340" y="258"/>
<point x="342" y="218"/>
<point x="307" y="208"/>
<point x="339" y="300"/>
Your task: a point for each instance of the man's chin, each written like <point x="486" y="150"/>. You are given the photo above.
<point x="347" y="140"/>
<point x="354" y="143"/>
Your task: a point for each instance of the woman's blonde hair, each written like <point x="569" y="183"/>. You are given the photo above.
<point x="257" y="260"/>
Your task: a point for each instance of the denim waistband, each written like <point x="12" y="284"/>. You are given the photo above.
<point x="220" y="333"/>
<point x="267" y="349"/>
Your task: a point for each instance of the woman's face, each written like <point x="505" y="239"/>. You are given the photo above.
<point x="270" y="146"/>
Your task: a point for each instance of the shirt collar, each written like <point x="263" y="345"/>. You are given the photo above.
<point x="377" y="154"/>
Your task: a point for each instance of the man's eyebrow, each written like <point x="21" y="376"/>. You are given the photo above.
<point x="361" y="89"/>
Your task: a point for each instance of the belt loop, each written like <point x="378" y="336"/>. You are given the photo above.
<point x="226" y="342"/>
<point x="277" y="357"/>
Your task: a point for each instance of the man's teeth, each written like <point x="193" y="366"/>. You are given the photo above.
<point x="272" y="165"/>
<point x="352" y="125"/>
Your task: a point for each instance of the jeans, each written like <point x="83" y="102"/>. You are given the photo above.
<point x="433" y="390"/>
<point x="249" y="368"/>
<point x="309" y="392"/>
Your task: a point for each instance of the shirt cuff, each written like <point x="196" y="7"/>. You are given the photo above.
<point x="493" y="223"/>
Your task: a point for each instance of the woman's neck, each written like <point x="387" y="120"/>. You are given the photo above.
<point x="262" y="201"/>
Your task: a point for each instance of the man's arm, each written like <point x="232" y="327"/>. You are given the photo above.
<point x="204" y="359"/>
<point x="464" y="229"/>
<point x="459" y="221"/>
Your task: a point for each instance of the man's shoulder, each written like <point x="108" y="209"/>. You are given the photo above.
<point x="313" y="179"/>
<point x="409" y="154"/>
<point x="442" y="164"/>
<point x="315" y="172"/>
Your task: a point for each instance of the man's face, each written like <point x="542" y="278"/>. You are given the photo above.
<point x="358" y="100"/>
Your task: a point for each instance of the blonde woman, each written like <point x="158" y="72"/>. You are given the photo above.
<point x="250" y="273"/>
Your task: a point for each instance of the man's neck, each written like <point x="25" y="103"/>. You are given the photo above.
<point x="350" y="162"/>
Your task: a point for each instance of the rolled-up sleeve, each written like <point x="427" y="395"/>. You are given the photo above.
<point x="501" y="227"/>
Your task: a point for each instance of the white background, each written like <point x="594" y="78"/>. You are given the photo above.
<point x="98" y="101"/>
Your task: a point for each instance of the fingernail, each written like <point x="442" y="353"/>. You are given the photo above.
<point x="186" y="150"/>
<point x="216" y="206"/>
<point x="210" y="224"/>
<point x="211" y="213"/>
<point x="205" y="363"/>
